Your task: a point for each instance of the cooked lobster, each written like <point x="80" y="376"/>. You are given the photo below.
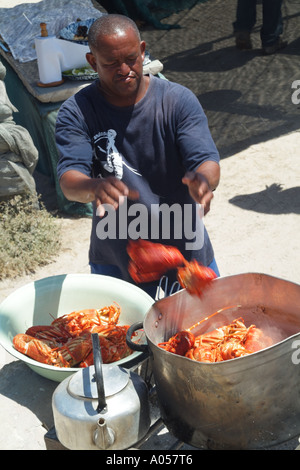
<point x="149" y="261"/>
<point x="228" y="342"/>
<point x="67" y="341"/>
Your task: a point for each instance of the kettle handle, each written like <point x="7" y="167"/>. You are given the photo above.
<point x="98" y="373"/>
<point x="131" y="344"/>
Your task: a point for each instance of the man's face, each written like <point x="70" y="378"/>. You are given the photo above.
<point x="119" y="64"/>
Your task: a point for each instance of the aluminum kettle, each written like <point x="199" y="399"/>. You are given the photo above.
<point x="102" y="407"/>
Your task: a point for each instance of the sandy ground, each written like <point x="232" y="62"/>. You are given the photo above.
<point x="254" y="222"/>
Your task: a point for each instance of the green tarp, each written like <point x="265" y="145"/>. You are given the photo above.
<point x="39" y="119"/>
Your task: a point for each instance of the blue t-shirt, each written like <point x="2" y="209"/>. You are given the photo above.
<point x="149" y="146"/>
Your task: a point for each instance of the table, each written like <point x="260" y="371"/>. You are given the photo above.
<point x="38" y="108"/>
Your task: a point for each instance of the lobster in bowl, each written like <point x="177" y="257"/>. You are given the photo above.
<point x="67" y="342"/>
<point x="58" y="314"/>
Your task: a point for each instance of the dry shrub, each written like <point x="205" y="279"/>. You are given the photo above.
<point x="29" y="236"/>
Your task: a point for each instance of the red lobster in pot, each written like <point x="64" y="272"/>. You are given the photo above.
<point x="180" y="343"/>
<point x="149" y="261"/>
<point x="224" y="343"/>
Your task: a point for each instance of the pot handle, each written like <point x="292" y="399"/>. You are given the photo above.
<point x="131" y="344"/>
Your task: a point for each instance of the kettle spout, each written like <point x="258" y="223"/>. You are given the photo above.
<point x="104" y="437"/>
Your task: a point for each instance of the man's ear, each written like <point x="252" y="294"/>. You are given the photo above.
<point x="91" y="60"/>
<point x="143" y="49"/>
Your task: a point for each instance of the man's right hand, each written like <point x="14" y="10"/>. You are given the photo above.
<point x="79" y="187"/>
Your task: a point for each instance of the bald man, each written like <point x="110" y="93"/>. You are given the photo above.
<point x="140" y="149"/>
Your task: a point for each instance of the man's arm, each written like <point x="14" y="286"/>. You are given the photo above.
<point x="202" y="182"/>
<point x="79" y="187"/>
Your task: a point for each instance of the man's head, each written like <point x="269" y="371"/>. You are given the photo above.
<point x="109" y="25"/>
<point x="117" y="55"/>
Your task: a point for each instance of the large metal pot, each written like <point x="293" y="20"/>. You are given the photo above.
<point x="250" y="402"/>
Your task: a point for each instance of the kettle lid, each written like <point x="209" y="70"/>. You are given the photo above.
<point x="83" y="383"/>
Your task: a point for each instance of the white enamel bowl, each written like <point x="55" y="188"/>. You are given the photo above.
<point x="39" y="302"/>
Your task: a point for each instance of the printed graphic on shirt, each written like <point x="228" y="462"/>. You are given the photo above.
<point x="114" y="162"/>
